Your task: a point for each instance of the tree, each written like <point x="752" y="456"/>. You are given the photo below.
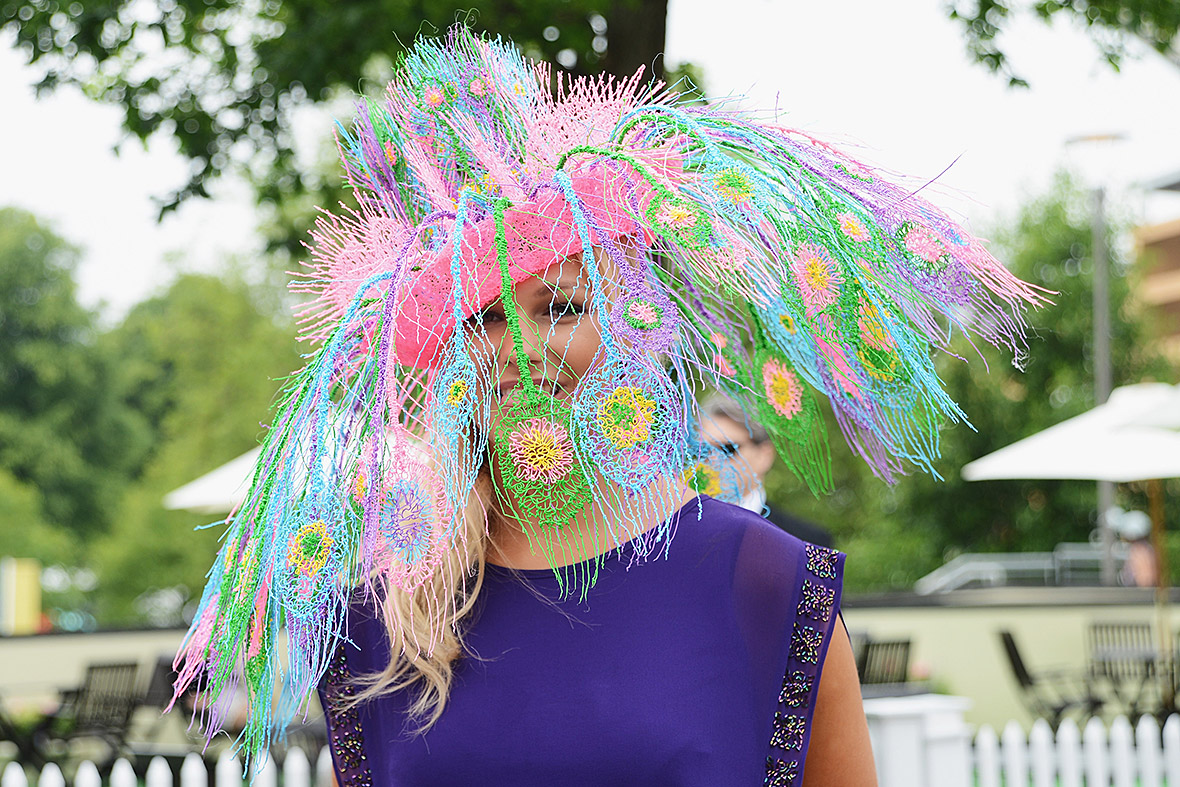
<point x="230" y="74"/>
<point x="1110" y="24"/>
<point x="64" y="431"/>
<point x="896" y="535"/>
<point x="201" y="363"/>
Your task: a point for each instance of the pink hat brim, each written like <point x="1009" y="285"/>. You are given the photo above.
<point x="538" y="233"/>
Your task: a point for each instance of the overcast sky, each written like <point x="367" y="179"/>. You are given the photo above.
<point x="890" y="79"/>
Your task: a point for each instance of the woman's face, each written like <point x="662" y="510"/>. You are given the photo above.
<point x="561" y="335"/>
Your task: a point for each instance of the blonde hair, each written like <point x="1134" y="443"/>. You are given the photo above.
<point x="425" y="626"/>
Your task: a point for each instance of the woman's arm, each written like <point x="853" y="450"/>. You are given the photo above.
<point x="839" y="754"/>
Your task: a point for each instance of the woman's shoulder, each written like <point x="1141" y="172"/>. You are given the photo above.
<point x="717" y="522"/>
<point x="760" y="560"/>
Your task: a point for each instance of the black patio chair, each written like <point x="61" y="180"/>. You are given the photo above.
<point x="100" y="708"/>
<point x="158" y="691"/>
<point x="1050" y="694"/>
<point x="1125" y="658"/>
<point x="884" y="668"/>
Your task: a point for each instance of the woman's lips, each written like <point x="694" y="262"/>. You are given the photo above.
<point x="507" y="389"/>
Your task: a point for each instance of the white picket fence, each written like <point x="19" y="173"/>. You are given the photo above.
<point x="1093" y="756"/>
<point x="295" y="772"/>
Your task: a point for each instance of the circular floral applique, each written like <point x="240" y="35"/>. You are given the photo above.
<point x="853" y="228"/>
<point x="433" y="96"/>
<point x="541" y="450"/>
<point x="783" y="388"/>
<point x="457" y="392"/>
<point x="817" y="276"/>
<point x="626" y="417"/>
<point x="923" y="244"/>
<point x="454" y="399"/>
<point x="477" y="87"/>
<point x="643" y="314"/>
<point x="703" y="479"/>
<point x="405" y="515"/>
<point x="680" y="221"/>
<point x="734" y="185"/>
<point x="645" y="318"/>
<point x="309" y="548"/>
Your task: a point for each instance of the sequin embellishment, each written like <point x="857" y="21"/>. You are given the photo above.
<point x="347" y="735"/>
<point x="796" y="689"/>
<point x="817" y="601"/>
<point x="821" y="561"/>
<point x="781" y="773"/>
<point x="805" y="644"/>
<point x="788" y="731"/>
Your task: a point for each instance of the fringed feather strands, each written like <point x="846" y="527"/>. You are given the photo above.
<point x="712" y="252"/>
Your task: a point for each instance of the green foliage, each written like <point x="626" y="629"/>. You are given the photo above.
<point x="96" y="428"/>
<point x="1110" y="24"/>
<point x="64" y="430"/>
<point x="894" y="536"/>
<point x="232" y="73"/>
<point x="23" y="529"/>
<point x="201" y="362"/>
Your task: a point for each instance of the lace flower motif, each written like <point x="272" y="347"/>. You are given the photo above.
<point x="627" y="416"/>
<point x="783" y="388"/>
<point x="309" y="547"/>
<point x="734" y="185"/>
<point x="434" y="96"/>
<point x="457" y="392"/>
<point x="853" y="228"/>
<point x="643" y="314"/>
<point x="924" y="245"/>
<point x="541" y="450"/>
<point x="703" y="478"/>
<point x="817" y="276"/>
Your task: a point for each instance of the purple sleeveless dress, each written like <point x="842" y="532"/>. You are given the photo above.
<point x="698" y="668"/>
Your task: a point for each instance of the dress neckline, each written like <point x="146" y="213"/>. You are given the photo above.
<point x="611" y="555"/>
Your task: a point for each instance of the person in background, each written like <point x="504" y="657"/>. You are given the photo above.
<point x="1134" y="527"/>
<point x="751" y="454"/>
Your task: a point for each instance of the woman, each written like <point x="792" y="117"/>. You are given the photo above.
<point x="485" y="513"/>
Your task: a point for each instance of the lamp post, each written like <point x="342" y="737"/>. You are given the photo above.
<point x="1103" y="371"/>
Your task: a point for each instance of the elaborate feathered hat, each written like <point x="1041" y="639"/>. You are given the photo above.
<point x="721" y="252"/>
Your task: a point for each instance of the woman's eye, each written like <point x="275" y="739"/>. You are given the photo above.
<point x="484" y="318"/>
<point x="557" y="309"/>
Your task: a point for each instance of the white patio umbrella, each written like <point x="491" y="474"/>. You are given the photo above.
<point x="218" y="491"/>
<point x="1135" y="436"/>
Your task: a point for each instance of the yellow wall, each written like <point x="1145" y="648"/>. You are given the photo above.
<point x="20" y="595"/>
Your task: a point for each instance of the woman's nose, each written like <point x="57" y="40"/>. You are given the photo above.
<point x="532" y="339"/>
